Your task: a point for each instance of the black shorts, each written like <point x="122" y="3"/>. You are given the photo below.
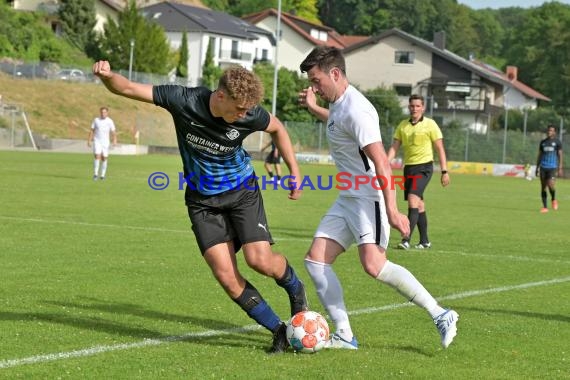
<point x="271" y="159"/>
<point x="547" y="174"/>
<point x="418" y="184"/>
<point x="237" y="215"/>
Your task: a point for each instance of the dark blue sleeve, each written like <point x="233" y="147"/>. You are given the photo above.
<point x="168" y="96"/>
<point x="256" y="118"/>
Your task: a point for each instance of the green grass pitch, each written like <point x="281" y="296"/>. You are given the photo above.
<point x="103" y="280"/>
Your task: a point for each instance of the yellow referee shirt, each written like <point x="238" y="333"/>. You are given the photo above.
<point x="417" y="140"/>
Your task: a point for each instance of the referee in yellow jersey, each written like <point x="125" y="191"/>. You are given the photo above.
<point x="417" y="136"/>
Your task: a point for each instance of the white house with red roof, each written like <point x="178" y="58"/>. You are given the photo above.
<point x="298" y="36"/>
<point x="454" y="87"/>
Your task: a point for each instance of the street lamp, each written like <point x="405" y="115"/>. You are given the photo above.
<point x="131" y="58"/>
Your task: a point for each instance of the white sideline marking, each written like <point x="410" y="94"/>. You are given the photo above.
<point x="36" y="220"/>
<point x="158" y="229"/>
<point x="508" y="257"/>
<point x="156" y="342"/>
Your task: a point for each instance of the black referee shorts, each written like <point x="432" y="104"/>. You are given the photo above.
<point x="237" y="215"/>
<point x="418" y="184"/>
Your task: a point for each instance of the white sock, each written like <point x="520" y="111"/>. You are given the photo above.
<point x="96" y="167"/>
<point x="103" y="168"/>
<point x="407" y="285"/>
<point x="330" y="293"/>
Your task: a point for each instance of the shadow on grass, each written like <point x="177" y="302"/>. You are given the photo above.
<point x="526" y="314"/>
<point x="204" y="330"/>
<point x="412" y="349"/>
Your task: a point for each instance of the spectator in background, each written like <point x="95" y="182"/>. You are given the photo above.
<point x="102" y="129"/>
<point x="272" y="158"/>
<point x="548" y="166"/>
<point x="417" y="136"/>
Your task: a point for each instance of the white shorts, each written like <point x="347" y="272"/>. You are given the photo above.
<point x="356" y="220"/>
<point x="100" y="149"/>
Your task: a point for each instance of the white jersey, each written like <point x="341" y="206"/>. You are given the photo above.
<point x="353" y="124"/>
<point x="102" y="129"/>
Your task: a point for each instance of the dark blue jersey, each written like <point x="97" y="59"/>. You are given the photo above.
<point x="212" y="154"/>
<point x="549" y="153"/>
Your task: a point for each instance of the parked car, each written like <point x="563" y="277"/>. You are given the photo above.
<point x="73" y="75"/>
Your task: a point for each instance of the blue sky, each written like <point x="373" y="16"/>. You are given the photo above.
<point x="478" y="4"/>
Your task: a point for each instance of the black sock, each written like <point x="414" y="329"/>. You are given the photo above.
<point x="289" y="281"/>
<point x="413" y="215"/>
<point x="552" y="194"/>
<point x="257" y="309"/>
<point x="422" y="227"/>
<point x="543" y="196"/>
<point x="270" y="173"/>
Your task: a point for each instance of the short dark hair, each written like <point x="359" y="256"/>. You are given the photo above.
<point x="325" y="58"/>
<point x="416" y="97"/>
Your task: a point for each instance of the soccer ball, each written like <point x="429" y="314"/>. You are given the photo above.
<point x="307" y="332"/>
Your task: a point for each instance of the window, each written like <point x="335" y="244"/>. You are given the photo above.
<point x="264" y="54"/>
<point x="235" y="50"/>
<point x="406" y="57"/>
<point x="403" y="89"/>
<point x="319" y="34"/>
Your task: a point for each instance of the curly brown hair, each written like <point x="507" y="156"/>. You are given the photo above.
<point x="242" y="85"/>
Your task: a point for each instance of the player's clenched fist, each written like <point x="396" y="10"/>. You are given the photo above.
<point x="102" y="69"/>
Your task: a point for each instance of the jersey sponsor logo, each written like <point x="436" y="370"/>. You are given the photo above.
<point x="330" y="126"/>
<point x="232" y="134"/>
<point x="197" y="125"/>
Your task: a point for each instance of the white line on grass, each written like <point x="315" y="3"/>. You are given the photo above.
<point x="158" y="229"/>
<point x="52" y="221"/>
<point x="506" y="257"/>
<point x="156" y="342"/>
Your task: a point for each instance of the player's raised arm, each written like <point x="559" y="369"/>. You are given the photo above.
<point x="308" y="99"/>
<point x="120" y="85"/>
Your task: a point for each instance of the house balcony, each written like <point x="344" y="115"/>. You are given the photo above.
<point x="236" y="57"/>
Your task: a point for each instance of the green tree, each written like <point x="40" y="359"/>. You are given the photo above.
<point x="78" y="20"/>
<point x="151" y="49"/>
<point x="306" y="9"/>
<point x="387" y="104"/>
<point x="182" y="67"/>
<point x="540" y="50"/>
<point x="289" y="85"/>
<point x="25" y="35"/>
<point x="210" y="72"/>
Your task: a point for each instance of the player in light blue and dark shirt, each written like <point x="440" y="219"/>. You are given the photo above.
<point x="548" y="166"/>
<point x="223" y="200"/>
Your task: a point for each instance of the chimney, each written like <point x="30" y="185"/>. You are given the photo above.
<point x="439" y="40"/>
<point x="512" y="72"/>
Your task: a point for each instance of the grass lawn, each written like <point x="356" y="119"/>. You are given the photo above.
<point x="103" y="280"/>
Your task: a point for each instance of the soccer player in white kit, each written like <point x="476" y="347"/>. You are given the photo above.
<point x="363" y="212"/>
<point x="102" y="129"/>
